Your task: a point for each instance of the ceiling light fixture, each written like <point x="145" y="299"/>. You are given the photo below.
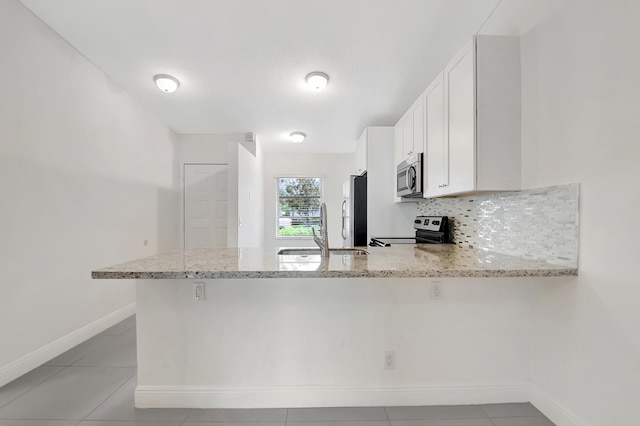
<point x="297" y="137"/>
<point x="317" y="80"/>
<point x="166" y="83"/>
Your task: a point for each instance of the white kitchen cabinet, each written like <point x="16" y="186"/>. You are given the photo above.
<point x="398" y="155"/>
<point x="361" y="154"/>
<point x="437" y="158"/>
<point x="473" y="142"/>
<point x="409" y="138"/>
<point x="417" y="135"/>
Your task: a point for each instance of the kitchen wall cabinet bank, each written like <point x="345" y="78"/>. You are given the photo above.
<point x="472" y="113"/>
<point x="408" y="136"/>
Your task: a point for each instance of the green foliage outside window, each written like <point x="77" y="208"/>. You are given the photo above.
<point x="299" y="202"/>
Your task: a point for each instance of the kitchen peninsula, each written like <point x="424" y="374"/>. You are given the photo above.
<point x="295" y="331"/>
<point x="408" y="261"/>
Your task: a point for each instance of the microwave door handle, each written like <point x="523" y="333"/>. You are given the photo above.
<point x="406" y="180"/>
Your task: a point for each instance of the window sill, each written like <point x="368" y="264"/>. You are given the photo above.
<point x="294" y="238"/>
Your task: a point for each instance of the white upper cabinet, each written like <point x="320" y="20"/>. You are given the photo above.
<point x="437" y="157"/>
<point x="473" y="120"/>
<point x="417" y="112"/>
<point x="398" y="154"/>
<point x="409" y="136"/>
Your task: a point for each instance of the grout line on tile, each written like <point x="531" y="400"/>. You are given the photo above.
<point x="33" y="387"/>
<point x="111" y="394"/>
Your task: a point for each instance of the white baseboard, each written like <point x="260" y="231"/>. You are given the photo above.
<point x="38" y="357"/>
<point x="558" y="414"/>
<point x="315" y="396"/>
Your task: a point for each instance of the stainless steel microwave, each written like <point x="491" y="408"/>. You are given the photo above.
<point x="409" y="177"/>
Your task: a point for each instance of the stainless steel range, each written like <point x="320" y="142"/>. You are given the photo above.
<point x="429" y="230"/>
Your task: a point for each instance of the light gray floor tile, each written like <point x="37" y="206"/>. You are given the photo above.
<point x="511" y="410"/>
<point x="443" y="422"/>
<point x="336" y="414"/>
<point x="119" y="352"/>
<point x="109" y="423"/>
<point x="238" y="415"/>
<point x="233" y="424"/>
<point x="435" y="412"/>
<point x="80" y="351"/>
<point x="119" y="406"/>
<point x="523" y="421"/>
<point x="12" y="390"/>
<point x="38" y="423"/>
<point x="69" y="395"/>
<point x="354" y="423"/>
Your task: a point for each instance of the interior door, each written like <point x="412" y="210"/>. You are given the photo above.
<point x="205" y="205"/>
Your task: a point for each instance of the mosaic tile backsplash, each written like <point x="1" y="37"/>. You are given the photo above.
<point x="540" y="224"/>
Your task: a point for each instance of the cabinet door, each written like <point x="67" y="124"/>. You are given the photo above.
<point x="418" y="126"/>
<point x="437" y="156"/>
<point x="398" y="148"/>
<point x="407" y="124"/>
<point x="460" y="107"/>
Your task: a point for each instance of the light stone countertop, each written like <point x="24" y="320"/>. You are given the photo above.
<point x="400" y="261"/>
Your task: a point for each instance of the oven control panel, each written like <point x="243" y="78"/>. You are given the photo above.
<point x="431" y="223"/>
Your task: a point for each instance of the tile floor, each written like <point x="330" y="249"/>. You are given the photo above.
<point x="93" y="384"/>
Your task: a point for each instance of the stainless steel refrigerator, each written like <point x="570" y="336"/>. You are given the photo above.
<point x="354" y="212"/>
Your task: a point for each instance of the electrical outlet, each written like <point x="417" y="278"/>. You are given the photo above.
<point x="389" y="360"/>
<point x="436" y="291"/>
<point x="198" y="292"/>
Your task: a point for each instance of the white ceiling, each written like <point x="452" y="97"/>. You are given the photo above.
<point x="242" y="63"/>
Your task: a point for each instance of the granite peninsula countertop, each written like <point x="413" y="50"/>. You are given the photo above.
<point x="400" y="261"/>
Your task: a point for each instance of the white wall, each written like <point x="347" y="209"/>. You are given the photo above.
<point x="581" y="109"/>
<point x="212" y="149"/>
<point x="321" y="342"/>
<point x="250" y="195"/>
<point x="245" y="160"/>
<point x="385" y="218"/>
<point x="334" y="168"/>
<point x="88" y="177"/>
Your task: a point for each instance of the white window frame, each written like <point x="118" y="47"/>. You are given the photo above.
<point x="277" y="199"/>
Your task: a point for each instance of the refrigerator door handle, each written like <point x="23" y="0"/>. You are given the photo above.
<point x="344" y="205"/>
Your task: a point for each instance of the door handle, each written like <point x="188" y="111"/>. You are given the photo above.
<point x="344" y="210"/>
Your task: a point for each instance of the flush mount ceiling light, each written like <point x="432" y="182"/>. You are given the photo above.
<point x="317" y="80"/>
<point x="166" y="83"/>
<point x="297" y="137"/>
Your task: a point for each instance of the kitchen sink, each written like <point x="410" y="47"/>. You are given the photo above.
<point x="313" y="251"/>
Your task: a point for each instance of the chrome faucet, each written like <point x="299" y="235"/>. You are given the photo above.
<point x="323" y="240"/>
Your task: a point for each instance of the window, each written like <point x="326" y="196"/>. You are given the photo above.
<point x="299" y="202"/>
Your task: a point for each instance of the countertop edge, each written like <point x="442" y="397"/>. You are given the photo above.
<point x="452" y="273"/>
